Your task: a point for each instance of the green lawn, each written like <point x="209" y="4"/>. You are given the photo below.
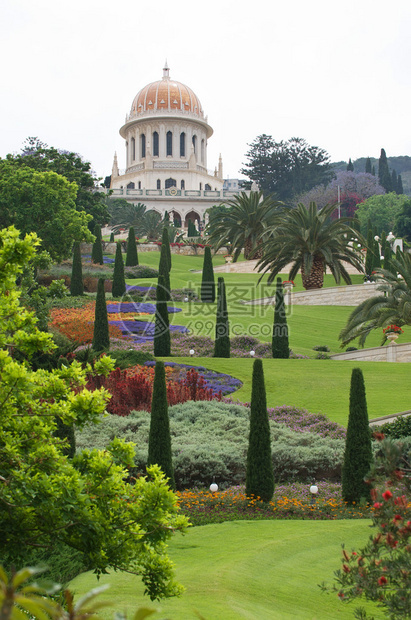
<point x="256" y="570"/>
<point x="319" y="385"/>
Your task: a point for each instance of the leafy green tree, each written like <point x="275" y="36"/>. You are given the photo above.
<point x="44" y="203"/>
<point x="216" y="214"/>
<point x="162" y="346"/>
<point x="101" y="338"/>
<point x="287" y="168"/>
<point x="311" y="241"/>
<point x="247" y="220"/>
<point x="384" y="175"/>
<point x="163" y="270"/>
<point x="89" y="199"/>
<point x="119" y="282"/>
<point x="381" y="210"/>
<point x="97" y="249"/>
<point x="207" y="293"/>
<point x="279" y="343"/>
<point x="166" y="241"/>
<point x="402" y="222"/>
<point x="48" y="500"/>
<point x="76" y="282"/>
<point x="260" y="475"/>
<point x="358" y="452"/>
<point x="159" y="441"/>
<point x="222" y="326"/>
<point x="350" y="166"/>
<point x="131" y="256"/>
<point x="391" y="306"/>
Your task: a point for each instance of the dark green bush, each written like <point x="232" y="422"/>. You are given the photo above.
<point x="125" y="359"/>
<point x="140" y="271"/>
<point x="401" y="427"/>
<point x="321" y="347"/>
<point x="351" y="349"/>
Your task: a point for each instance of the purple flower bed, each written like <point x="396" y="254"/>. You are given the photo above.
<point x="216" y="381"/>
<point x="106" y="260"/>
<point x="130" y="288"/>
<point x="142" y="331"/>
<point x="302" y="421"/>
<point x="131" y="306"/>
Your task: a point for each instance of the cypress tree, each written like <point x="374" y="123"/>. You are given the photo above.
<point x="76" y="282"/>
<point x="112" y="238"/>
<point x="119" y="282"/>
<point x="376" y="256"/>
<point x="260" y="475"/>
<point x="358" y="453"/>
<point x="279" y="344"/>
<point x="400" y="189"/>
<point x="131" y="256"/>
<point x="101" y="338"/>
<point x="384" y="176"/>
<point x="164" y="271"/>
<point x="373" y="171"/>
<point x="368" y="168"/>
<point x="97" y="250"/>
<point x="387" y="257"/>
<point x="165" y="240"/>
<point x="207" y="293"/>
<point x="222" y="326"/>
<point x="350" y="166"/>
<point x="394" y="181"/>
<point x="159" y="441"/>
<point x="162" y="345"/>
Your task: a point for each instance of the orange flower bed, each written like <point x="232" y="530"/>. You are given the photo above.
<point x="78" y="323"/>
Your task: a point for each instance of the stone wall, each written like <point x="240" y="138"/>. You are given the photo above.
<point x="185" y="250"/>
<point x="351" y="295"/>
<point x="388" y="353"/>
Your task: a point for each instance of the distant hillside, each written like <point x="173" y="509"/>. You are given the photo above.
<point x="401" y="165"/>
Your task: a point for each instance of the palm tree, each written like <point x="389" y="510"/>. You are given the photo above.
<point x="124" y="215"/>
<point x="311" y="241"/>
<point x="244" y="225"/>
<point x="391" y="306"/>
<point x="151" y="226"/>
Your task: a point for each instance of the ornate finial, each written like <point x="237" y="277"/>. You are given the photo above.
<point x="166" y="71"/>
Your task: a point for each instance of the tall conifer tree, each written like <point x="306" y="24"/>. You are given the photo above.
<point x="400" y="189"/>
<point x="260" y="475"/>
<point x="162" y="346"/>
<point x="164" y="271"/>
<point x="165" y="240"/>
<point x="222" y="326"/>
<point x="368" y="168"/>
<point x="207" y="293"/>
<point x="350" y="166"/>
<point x="119" y="282"/>
<point x="76" y="282"/>
<point x="131" y="256"/>
<point x="101" y="338"/>
<point x="358" y="452"/>
<point x="384" y="175"/>
<point x="159" y="441"/>
<point x="279" y="344"/>
<point x="97" y="249"/>
<point x="394" y="181"/>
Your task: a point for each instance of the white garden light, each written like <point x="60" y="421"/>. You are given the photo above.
<point x="313" y="491"/>
<point x="213" y="487"/>
<point x="252" y="353"/>
<point x="192" y="352"/>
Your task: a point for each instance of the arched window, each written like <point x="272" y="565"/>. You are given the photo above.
<point x="194" y="139"/>
<point x="171" y="183"/>
<point x="133" y="149"/>
<point x="182" y="144"/>
<point x="155" y="144"/>
<point x="183" y="184"/>
<point x="158" y="184"/>
<point x="143" y="145"/>
<point x="169" y="143"/>
<point x="207" y="187"/>
<point x="202" y="151"/>
<point x="131" y="185"/>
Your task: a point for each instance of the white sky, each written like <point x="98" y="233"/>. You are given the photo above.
<point x="337" y="75"/>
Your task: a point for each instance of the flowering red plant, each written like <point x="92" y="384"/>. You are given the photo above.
<point x="289" y="282"/>
<point x="393" y="329"/>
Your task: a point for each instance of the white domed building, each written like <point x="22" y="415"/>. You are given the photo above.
<point x="166" y="136"/>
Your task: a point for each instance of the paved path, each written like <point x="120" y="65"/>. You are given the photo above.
<point x="389" y="418"/>
<point x="248" y="266"/>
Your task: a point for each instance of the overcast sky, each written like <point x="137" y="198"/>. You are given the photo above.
<point x="337" y="75"/>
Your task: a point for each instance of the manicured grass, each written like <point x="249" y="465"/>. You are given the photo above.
<point x="319" y="385"/>
<point x="247" y="569"/>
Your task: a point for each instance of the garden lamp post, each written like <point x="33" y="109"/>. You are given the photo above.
<point x="213" y="486"/>
<point x="313" y="491"/>
<point x="252" y="353"/>
<point x="192" y="352"/>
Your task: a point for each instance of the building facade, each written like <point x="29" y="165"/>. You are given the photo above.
<point x="166" y="135"/>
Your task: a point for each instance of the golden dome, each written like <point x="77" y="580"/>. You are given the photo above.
<point x="166" y="95"/>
